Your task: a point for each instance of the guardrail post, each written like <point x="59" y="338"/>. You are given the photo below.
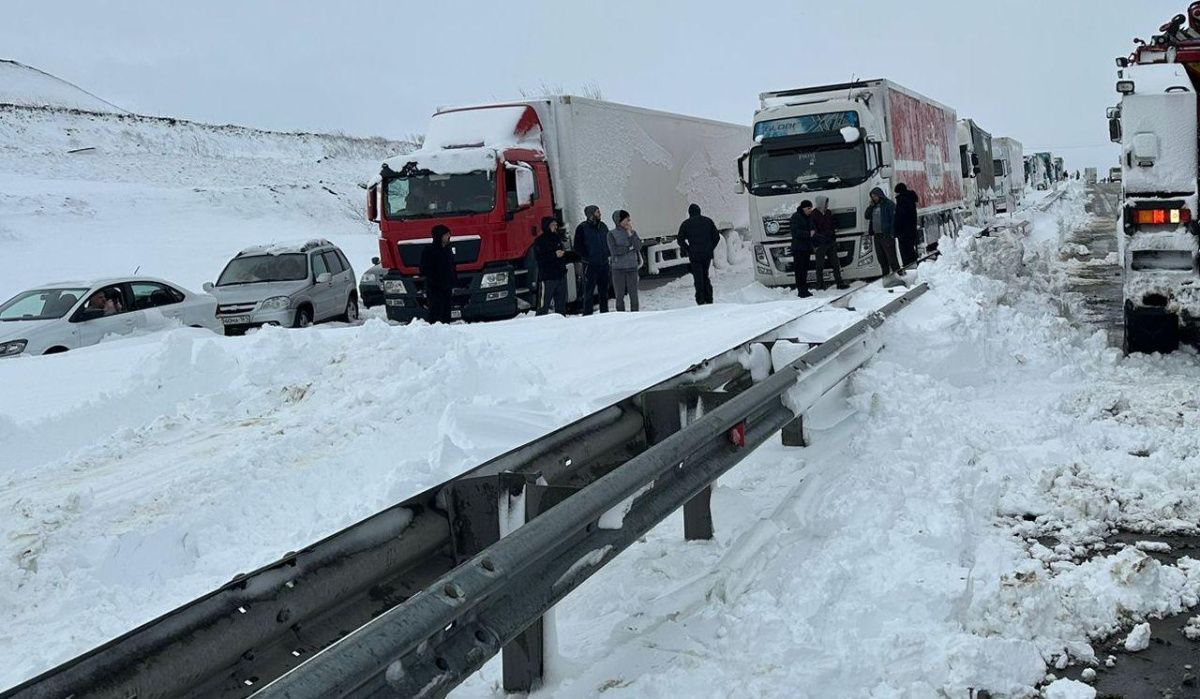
<point x="793" y="433"/>
<point x="664" y="411"/>
<point x="524" y="659"/>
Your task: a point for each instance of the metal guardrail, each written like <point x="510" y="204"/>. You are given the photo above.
<point x="254" y="629"/>
<point x="437" y="638"/>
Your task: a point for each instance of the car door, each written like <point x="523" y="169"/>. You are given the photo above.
<point x="159" y="303"/>
<point x="342" y="281"/>
<point x="113" y="314"/>
<point x="322" y="292"/>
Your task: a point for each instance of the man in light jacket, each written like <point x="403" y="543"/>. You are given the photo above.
<point x="625" y="257"/>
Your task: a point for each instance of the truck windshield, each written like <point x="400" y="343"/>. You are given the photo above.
<point x="791" y="170"/>
<point x="429" y="195"/>
<point x="252" y="269"/>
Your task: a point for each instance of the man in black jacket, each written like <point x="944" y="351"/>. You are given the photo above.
<point x="550" y="250"/>
<point x="802" y="246"/>
<point x="698" y="238"/>
<point x="441" y="276"/>
<point x="906" y="223"/>
<point x="591" y="243"/>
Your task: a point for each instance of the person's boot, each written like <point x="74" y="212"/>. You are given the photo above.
<point x="843" y="285"/>
<point x="804" y="293"/>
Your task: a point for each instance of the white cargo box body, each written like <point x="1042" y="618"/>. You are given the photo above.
<point x="649" y="163"/>
<point x="1158" y="131"/>
<point x="1012" y="153"/>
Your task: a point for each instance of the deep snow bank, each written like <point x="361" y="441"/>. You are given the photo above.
<point x="25" y="86"/>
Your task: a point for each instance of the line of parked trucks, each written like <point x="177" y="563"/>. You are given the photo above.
<point x="491" y="173"/>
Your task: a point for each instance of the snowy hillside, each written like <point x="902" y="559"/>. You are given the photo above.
<point x="29" y="87"/>
<point x="89" y="195"/>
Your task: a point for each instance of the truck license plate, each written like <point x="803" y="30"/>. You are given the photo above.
<point x="235" y="320"/>
<point x="456" y="314"/>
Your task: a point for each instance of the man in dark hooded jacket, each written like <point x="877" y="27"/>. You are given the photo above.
<point x="802" y="246"/>
<point x="438" y="268"/>
<point x="906" y="223"/>
<point x="824" y="236"/>
<point x="698" y="238"/>
<point x="550" y="251"/>
<point x="591" y="243"/>
<point x="881" y="224"/>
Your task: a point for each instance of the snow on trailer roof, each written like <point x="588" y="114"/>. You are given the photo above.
<point x="467" y="139"/>
<point x="284" y="248"/>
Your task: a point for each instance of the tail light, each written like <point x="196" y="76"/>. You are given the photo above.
<point x="1161" y="217"/>
<point x="1164" y="214"/>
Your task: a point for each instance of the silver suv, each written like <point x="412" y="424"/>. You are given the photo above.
<point x="292" y="285"/>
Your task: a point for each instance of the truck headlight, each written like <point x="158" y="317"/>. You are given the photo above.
<point x="760" y="260"/>
<point x="368" y="277"/>
<point x="867" y="246"/>
<point x="275" y="303"/>
<point x="493" y="279"/>
<point x="12" y="348"/>
<point x="393" y="286"/>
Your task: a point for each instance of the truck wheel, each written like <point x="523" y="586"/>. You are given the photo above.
<point x="304" y="317"/>
<point x="1147" y="333"/>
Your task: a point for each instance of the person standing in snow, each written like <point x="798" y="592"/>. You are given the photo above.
<point x="625" y="258"/>
<point x="441" y="275"/>
<point x="906" y="223"/>
<point x="802" y="246"/>
<point x="824" y="230"/>
<point x="698" y="238"/>
<point x="550" y="251"/>
<point x="881" y="219"/>
<point x="591" y="242"/>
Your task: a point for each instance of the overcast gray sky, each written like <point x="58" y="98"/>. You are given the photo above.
<point x="1038" y="70"/>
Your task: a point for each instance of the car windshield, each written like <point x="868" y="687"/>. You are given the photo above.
<point x="252" y="269"/>
<point x="803" y="169"/>
<point x="424" y="196"/>
<point x="41" y="304"/>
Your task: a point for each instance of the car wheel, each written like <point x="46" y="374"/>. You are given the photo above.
<point x="304" y="317"/>
<point x="351" y="314"/>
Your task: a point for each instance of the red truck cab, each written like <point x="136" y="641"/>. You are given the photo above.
<point x="482" y="173"/>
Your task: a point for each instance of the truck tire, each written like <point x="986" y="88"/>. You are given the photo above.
<point x="1151" y="332"/>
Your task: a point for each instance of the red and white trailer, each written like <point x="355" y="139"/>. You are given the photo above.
<point x="842" y="141"/>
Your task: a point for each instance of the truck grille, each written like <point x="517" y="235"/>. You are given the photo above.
<point x="232" y="309"/>
<point x="465" y="252"/>
<point x="843" y="219"/>
<point x="781" y="256"/>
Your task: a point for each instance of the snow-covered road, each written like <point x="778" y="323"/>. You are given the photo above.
<point x="898" y="556"/>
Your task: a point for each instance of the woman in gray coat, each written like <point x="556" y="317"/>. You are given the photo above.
<point x="625" y="258"/>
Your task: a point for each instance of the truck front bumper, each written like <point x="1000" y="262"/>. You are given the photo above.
<point x="405" y="298"/>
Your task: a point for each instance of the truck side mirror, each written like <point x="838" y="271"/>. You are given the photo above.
<point x="1114" y="130"/>
<point x="739" y="187"/>
<point x="885" y="171"/>
<point x="373" y="203"/>
<point x="208" y="287"/>
<point x="525" y="186"/>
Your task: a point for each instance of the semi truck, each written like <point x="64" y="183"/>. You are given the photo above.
<point x="492" y="172"/>
<point x="1009" y="166"/>
<point x="1041" y="171"/>
<point x="979" y="177"/>
<point x="1090" y="175"/>
<point x="1156" y="123"/>
<point x="841" y="141"/>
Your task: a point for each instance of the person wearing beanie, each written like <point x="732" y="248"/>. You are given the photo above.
<point x="550" y="251"/>
<point x="441" y="275"/>
<point x="881" y="219"/>
<point x="802" y="246"/>
<point x="625" y="258"/>
<point x="591" y="243"/>
<point x="698" y="238"/>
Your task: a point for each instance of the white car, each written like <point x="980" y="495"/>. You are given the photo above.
<point x="60" y="317"/>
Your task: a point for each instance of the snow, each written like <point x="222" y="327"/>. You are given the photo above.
<point x="1068" y="689"/>
<point x="171" y="198"/>
<point x="1138" y="639"/>
<point x="495" y="127"/>
<point x="1169" y="119"/>
<point x="29" y="87"/>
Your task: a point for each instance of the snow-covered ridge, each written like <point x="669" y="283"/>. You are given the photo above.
<point x="87" y="194"/>
<point x="29" y="87"/>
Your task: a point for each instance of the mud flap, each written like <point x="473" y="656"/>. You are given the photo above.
<point x="1150" y="330"/>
